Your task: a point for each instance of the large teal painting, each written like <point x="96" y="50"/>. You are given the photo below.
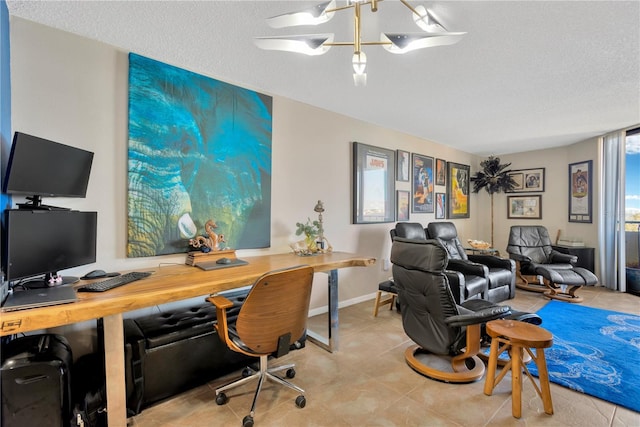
<point x="199" y="151"/>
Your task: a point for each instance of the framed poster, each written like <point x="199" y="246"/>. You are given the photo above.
<point x="441" y="171"/>
<point x="528" y="180"/>
<point x="422" y="184"/>
<point x="402" y="167"/>
<point x="441" y="205"/>
<point x="374" y="172"/>
<point x="457" y="190"/>
<point x="402" y="205"/>
<point x="580" y="193"/>
<point x="524" y="207"/>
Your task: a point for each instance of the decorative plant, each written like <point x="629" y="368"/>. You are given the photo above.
<point x="311" y="231"/>
<point x="494" y="178"/>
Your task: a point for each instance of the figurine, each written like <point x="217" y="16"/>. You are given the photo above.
<point x="211" y="243"/>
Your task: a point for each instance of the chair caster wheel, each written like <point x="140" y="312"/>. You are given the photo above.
<point x="221" y="399"/>
<point x="301" y="401"/>
<point x="291" y="373"/>
<point x="247" y="421"/>
<point x="246" y="372"/>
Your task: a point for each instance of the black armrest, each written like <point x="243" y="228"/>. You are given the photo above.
<point x="481" y="316"/>
<point x="466" y="267"/>
<point x="560" y="258"/>
<point x="521" y="258"/>
<point x="494" y="261"/>
<point x="456" y="284"/>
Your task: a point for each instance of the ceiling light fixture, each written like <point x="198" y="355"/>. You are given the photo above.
<point x="435" y="34"/>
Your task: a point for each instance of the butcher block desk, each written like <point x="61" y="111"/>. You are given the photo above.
<point x="168" y="284"/>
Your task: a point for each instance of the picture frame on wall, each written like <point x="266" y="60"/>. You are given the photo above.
<point x="422" y="184"/>
<point x="524" y="207"/>
<point x="441" y="171"/>
<point x="580" y="191"/>
<point x="441" y="205"/>
<point x="457" y="190"/>
<point x="374" y="173"/>
<point x="528" y="180"/>
<point x="403" y="165"/>
<point x="402" y="205"/>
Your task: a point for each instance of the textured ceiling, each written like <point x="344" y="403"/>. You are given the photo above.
<point x="528" y="75"/>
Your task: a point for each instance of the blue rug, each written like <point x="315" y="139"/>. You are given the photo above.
<point x="596" y="352"/>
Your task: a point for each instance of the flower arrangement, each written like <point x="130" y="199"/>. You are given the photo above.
<point x="311" y="231"/>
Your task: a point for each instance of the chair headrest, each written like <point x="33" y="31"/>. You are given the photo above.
<point x="529" y="236"/>
<point x="417" y="254"/>
<point x="442" y="230"/>
<point x="410" y="230"/>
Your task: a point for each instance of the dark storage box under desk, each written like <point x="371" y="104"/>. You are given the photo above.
<point x="173" y="351"/>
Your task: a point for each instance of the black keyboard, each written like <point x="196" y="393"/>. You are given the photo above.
<point x="114" y="282"/>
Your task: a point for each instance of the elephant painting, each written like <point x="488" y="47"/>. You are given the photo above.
<point x="199" y="150"/>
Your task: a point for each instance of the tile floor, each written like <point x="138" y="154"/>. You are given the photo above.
<point x="368" y="383"/>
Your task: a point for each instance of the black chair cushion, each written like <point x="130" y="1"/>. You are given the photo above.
<point x="474" y="286"/>
<point x="410" y="230"/>
<point x="498" y="277"/>
<point x="388" y="286"/>
<point x="447" y="234"/>
<point x="577" y="276"/>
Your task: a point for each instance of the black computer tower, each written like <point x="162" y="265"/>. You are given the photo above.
<point x="35" y="381"/>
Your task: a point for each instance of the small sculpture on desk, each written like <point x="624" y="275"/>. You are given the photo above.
<point x="208" y="243"/>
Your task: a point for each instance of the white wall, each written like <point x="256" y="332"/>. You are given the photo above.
<point x="555" y="199"/>
<point x="74" y="90"/>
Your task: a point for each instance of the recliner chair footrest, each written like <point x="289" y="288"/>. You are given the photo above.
<point x="523" y="316"/>
<point x="576" y="276"/>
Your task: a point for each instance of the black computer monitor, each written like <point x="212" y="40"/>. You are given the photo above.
<point x="40" y="168"/>
<point x="39" y="244"/>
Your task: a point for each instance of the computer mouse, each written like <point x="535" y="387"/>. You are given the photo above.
<point x="95" y="274"/>
<point x="223" y="261"/>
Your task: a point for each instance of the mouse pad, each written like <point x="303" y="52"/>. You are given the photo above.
<point x="212" y="265"/>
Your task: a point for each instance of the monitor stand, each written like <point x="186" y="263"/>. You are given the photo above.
<point x="50" y="280"/>
<point x="35" y="204"/>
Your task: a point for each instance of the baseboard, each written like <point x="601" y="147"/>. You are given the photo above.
<point x="342" y="304"/>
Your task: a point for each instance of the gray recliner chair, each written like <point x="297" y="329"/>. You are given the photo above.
<point x="467" y="281"/>
<point x="530" y="246"/>
<point x="431" y="317"/>
<point x="500" y="272"/>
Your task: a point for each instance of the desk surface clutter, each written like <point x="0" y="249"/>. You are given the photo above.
<point x="167" y="284"/>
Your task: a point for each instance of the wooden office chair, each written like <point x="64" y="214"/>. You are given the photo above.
<point x="273" y="316"/>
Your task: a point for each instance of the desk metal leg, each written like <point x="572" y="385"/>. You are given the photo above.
<point x="331" y="343"/>
<point x="114" y="370"/>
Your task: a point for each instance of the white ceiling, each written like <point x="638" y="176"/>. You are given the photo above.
<point x="528" y="75"/>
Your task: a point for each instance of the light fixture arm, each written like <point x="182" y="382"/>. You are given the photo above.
<point x="434" y="33"/>
<point x="357" y="29"/>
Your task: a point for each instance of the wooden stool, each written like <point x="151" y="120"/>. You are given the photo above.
<point x="390" y="288"/>
<point x="515" y="336"/>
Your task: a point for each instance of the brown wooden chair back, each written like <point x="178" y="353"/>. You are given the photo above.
<point x="277" y="304"/>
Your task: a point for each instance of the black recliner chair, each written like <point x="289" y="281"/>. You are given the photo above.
<point x="432" y="318"/>
<point x="467" y="281"/>
<point x="500" y="273"/>
<point x="530" y="246"/>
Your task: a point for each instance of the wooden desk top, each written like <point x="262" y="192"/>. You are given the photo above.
<point x="169" y="283"/>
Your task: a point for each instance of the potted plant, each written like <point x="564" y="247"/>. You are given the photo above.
<point x="311" y="231"/>
<point x="494" y="178"/>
